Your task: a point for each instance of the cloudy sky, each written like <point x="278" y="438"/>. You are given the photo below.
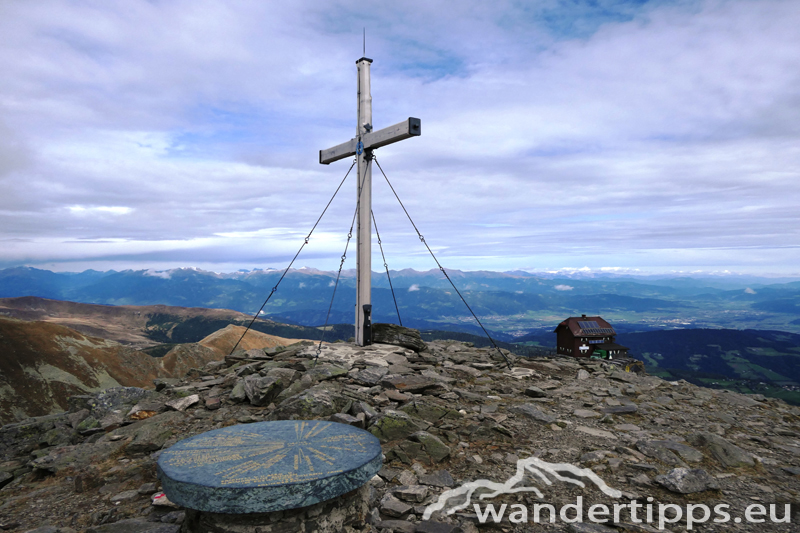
<point x="660" y="135"/>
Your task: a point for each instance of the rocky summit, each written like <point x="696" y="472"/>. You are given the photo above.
<point x="446" y="414"/>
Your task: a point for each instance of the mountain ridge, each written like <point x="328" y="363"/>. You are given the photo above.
<point x="509" y="304"/>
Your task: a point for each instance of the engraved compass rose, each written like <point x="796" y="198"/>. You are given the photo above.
<point x="271" y="453"/>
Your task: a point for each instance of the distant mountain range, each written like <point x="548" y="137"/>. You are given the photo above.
<point x="510" y="304"/>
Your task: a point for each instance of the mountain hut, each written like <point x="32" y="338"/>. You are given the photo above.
<point x="588" y="336"/>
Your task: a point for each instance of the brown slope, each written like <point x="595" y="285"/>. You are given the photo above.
<point x="225" y="339"/>
<point x="126" y="324"/>
<point x="216" y="346"/>
<point x="42" y="364"/>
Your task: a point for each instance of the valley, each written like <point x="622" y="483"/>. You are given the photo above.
<point x="737" y="333"/>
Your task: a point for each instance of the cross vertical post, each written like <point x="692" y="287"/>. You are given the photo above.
<point x="364" y="190"/>
<point x="362" y="146"/>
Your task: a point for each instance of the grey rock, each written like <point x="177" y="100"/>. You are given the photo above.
<point x="740" y="400"/>
<point x="433" y="446"/>
<point x="442" y="378"/>
<point x="620" y="409"/>
<point x="318" y="402"/>
<point x="407" y="477"/>
<point x="397" y="396"/>
<point x="470" y="396"/>
<point x="238" y="393"/>
<point x="255" y="353"/>
<point x="115" y="399"/>
<point x="287" y="375"/>
<point x="535" y="392"/>
<point x="388" y="474"/>
<point x="412" y="383"/>
<point x="147" y="489"/>
<point x="43" y="529"/>
<point x="298" y="386"/>
<point x="151" y="434"/>
<point x="627" y="377"/>
<point x="124" y="496"/>
<point x="77" y="457"/>
<point x="77" y="417"/>
<point x="248" y="369"/>
<point x="687" y="453"/>
<point x="411" y="493"/>
<point x="582" y="374"/>
<point x="260" y="391"/>
<point x="727" y="453"/>
<point x="364" y="408"/>
<point x="440" y="478"/>
<point x="112" y="420"/>
<point x="326" y="371"/>
<point x="468" y="370"/>
<point x="395" y="425"/>
<point x="60" y="436"/>
<point x="154" y="404"/>
<point x="163" y="383"/>
<point x="391" y="506"/>
<point x="532" y="412"/>
<point x="370" y="376"/>
<point x="343" y="418"/>
<point x="660" y="452"/>
<point x="5" y="478"/>
<point x="687" y="481"/>
<point x="407" y="452"/>
<point x="429" y="411"/>
<point x="398" y="336"/>
<point x="593" y="457"/>
<point x="182" y="404"/>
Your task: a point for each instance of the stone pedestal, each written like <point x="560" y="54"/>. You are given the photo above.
<point x="344" y="514"/>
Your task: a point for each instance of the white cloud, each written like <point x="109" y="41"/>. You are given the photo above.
<point x="111" y="210"/>
<point x="164" y="274"/>
<point x="663" y="136"/>
<point x="563" y="287"/>
<point x="413" y="288"/>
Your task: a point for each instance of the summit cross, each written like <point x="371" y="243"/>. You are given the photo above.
<point x="362" y="145"/>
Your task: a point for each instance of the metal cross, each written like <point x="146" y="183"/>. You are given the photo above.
<point x="362" y="145"/>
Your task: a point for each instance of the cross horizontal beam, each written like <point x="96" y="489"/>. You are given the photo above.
<point x="412" y="127"/>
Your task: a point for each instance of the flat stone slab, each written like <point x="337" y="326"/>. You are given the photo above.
<point x="347" y="354"/>
<point x="268" y="466"/>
